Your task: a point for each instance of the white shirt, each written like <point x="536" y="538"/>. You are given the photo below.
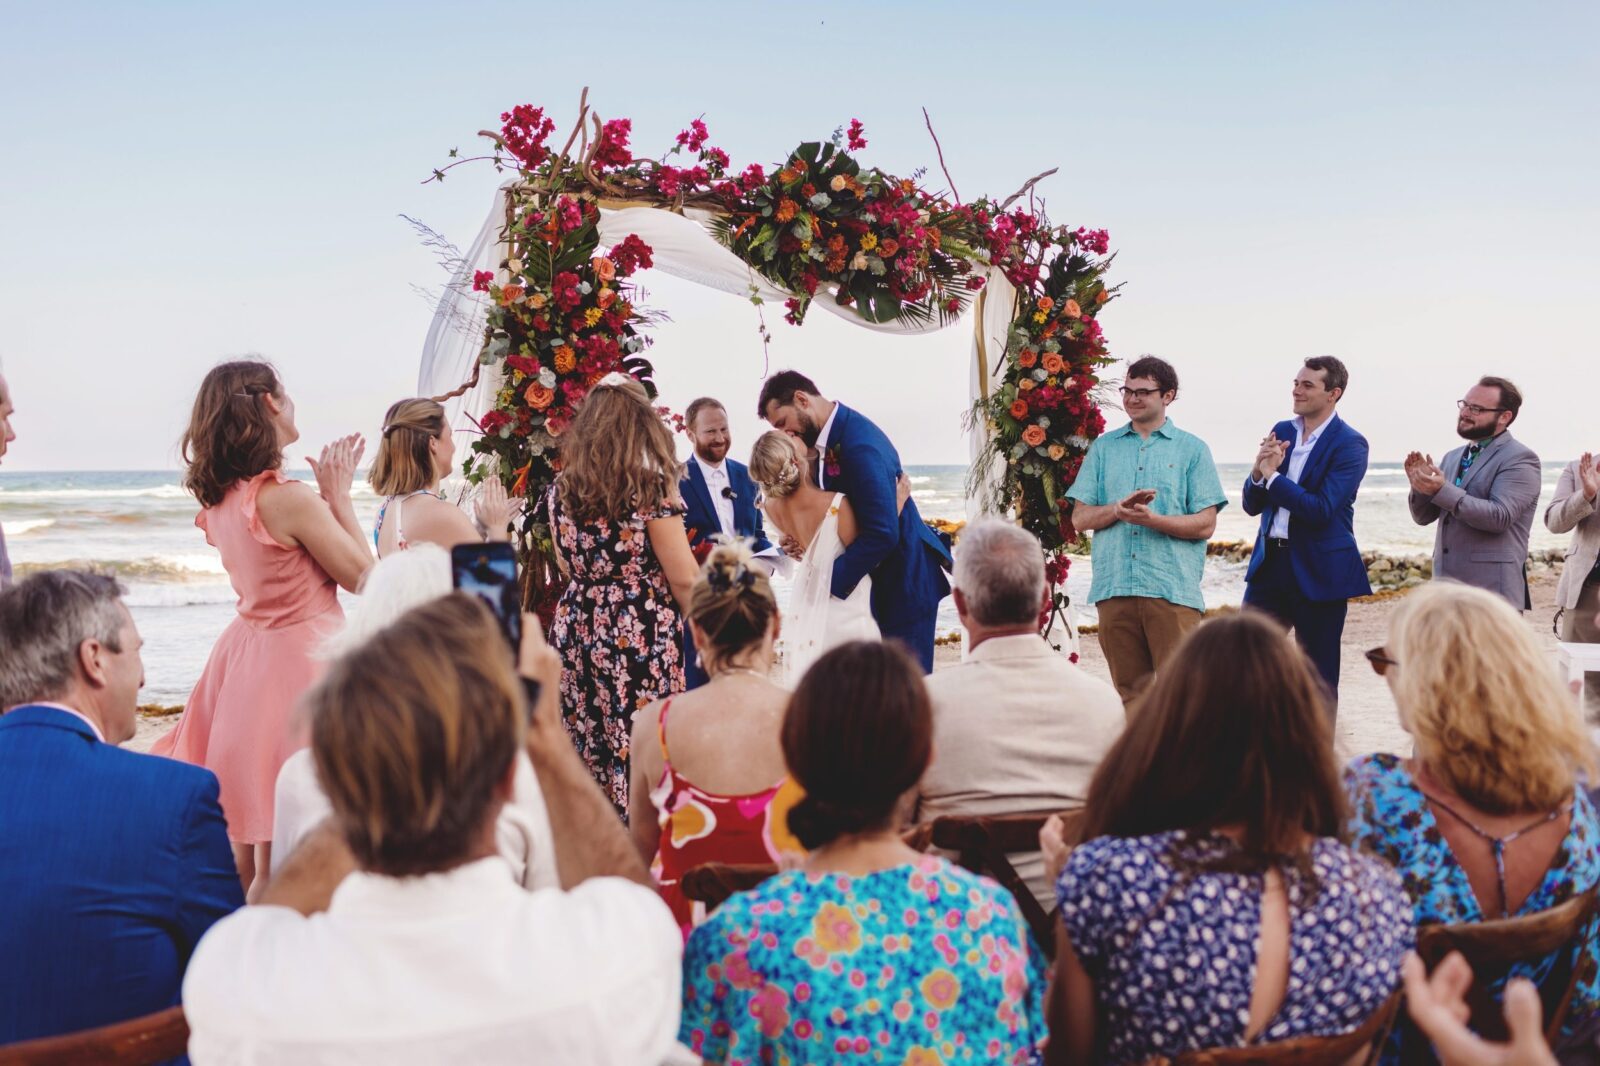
<point x="716" y="481"/>
<point x="822" y="447"/>
<point x="456" y="967"/>
<point x="1297" y="465"/>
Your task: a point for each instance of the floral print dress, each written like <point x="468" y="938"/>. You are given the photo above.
<point x="916" y="965"/>
<point x="1392" y="819"/>
<point x="619" y="634"/>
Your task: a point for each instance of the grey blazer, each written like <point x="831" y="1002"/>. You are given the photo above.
<point x="1484" y="523"/>
<point x="1572" y="510"/>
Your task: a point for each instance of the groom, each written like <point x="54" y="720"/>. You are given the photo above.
<point x="906" y="560"/>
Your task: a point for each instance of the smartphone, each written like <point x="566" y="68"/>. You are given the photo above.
<point x="489" y="571"/>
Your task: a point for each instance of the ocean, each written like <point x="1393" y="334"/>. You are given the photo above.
<point x="140" y="525"/>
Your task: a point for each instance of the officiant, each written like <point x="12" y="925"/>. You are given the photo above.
<point x="721" y="499"/>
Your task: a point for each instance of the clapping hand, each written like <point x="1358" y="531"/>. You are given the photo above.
<point x="1135" y="508"/>
<point x="493" y="507"/>
<point x="1053" y="843"/>
<point x="1270" y="457"/>
<point x="1426" y="479"/>
<point x="1589" y="477"/>
<point x="337" y="467"/>
<point x="1438" y="1005"/>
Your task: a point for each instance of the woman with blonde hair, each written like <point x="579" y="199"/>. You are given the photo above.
<point x="287" y="549"/>
<point x="619" y="535"/>
<point x="710" y="787"/>
<point x="1488" y="818"/>
<point x="416" y="452"/>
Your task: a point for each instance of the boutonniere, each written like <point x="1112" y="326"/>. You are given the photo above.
<point x="830" y="461"/>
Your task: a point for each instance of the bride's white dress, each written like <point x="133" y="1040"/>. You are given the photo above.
<point x="816" y="621"/>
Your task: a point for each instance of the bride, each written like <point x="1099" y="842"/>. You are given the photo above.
<point x="824" y="525"/>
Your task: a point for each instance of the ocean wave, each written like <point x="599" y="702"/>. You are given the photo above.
<point x="172" y="569"/>
<point x="158" y="492"/>
<point x="27" y="525"/>
<point x="140" y="595"/>
<point x="920" y="479"/>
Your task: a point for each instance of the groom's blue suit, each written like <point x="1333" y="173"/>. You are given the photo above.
<point x="906" y="559"/>
<point x="703" y="524"/>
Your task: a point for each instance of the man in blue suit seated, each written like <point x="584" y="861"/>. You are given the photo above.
<point x="112" y="864"/>
<point x="1306" y="565"/>
<point x="905" y="559"/>
<point x="721" y="499"/>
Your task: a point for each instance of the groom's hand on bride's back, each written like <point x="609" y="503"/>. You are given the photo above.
<point x="902" y="492"/>
<point x="792" y="548"/>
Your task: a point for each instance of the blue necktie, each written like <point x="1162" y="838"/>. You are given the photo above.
<point x="1467" y="458"/>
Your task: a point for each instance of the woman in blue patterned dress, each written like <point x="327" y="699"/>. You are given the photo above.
<point x="619" y="535"/>
<point x="870" y="952"/>
<point x="1488" y="818"/>
<point x="1213" y="904"/>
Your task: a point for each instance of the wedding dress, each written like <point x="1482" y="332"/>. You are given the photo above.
<point x="816" y="620"/>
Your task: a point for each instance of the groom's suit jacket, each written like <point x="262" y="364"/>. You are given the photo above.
<point x="906" y="559"/>
<point x="702" y="509"/>
<point x="1484" y="522"/>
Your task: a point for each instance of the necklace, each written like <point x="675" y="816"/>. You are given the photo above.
<point x="739" y="670"/>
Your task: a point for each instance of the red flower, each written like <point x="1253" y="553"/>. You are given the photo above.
<point x="612" y="149"/>
<point x="793" y="314"/>
<point x="694" y="138"/>
<point x="491" y="422"/>
<point x="975" y="282"/>
<point x="716" y="159"/>
<point x="569" y="216"/>
<point x="630" y="255"/>
<point x="481" y="280"/>
<point x="856" y="141"/>
<point x="754" y="177"/>
<point x="524" y="131"/>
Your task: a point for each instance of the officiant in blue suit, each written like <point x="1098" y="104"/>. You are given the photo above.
<point x="721" y="499"/>
<point x="1306" y="566"/>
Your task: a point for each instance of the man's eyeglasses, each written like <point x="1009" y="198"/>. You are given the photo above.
<point x="1474" y="410"/>
<point x="1142" y="394"/>
<point x="1379" y="658"/>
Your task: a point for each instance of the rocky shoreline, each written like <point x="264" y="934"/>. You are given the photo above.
<point x="1392" y="571"/>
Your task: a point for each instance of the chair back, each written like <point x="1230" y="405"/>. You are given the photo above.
<point x="711" y="883"/>
<point x="1493" y="947"/>
<point x="1363" y="1042"/>
<point x="985" y="844"/>
<point x="141" y="1041"/>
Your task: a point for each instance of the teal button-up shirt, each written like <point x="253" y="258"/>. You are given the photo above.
<point x="1134" y="560"/>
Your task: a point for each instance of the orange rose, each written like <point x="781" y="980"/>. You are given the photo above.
<point x="1019" y="409"/>
<point x="1056" y="451"/>
<point x="604" y="268"/>
<point x="888" y="247"/>
<point x="1073" y="310"/>
<point x="565" y="359"/>
<point x="1102" y="296"/>
<point x="1045" y="304"/>
<point x="538" y="396"/>
<point x="510" y="294"/>
<point x="1053" y="363"/>
<point x="1033" y="436"/>
<point x="537" y="301"/>
<point x="1027" y="357"/>
<point x="606" y="298"/>
<point x="1025" y="384"/>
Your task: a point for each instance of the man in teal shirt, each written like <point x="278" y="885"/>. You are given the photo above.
<point x="1149" y="493"/>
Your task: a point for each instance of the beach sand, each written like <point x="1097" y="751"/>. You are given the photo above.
<point x="1367" y="720"/>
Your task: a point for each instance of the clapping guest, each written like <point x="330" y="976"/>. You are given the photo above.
<point x="112" y="864"/>
<point x="618" y="527"/>
<point x="416" y="452"/>
<point x="869" y="948"/>
<point x="287" y="549"/>
<point x="1213" y="904"/>
<point x="707" y="785"/>
<point x="391" y="588"/>
<point x="1576" y="509"/>
<point x="1488" y="819"/>
<point x="394" y="933"/>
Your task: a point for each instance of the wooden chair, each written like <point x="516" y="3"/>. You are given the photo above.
<point x="1493" y="947"/>
<point x="985" y="845"/>
<point x="712" y="883"/>
<point x="140" y="1041"/>
<point x="1306" y="1050"/>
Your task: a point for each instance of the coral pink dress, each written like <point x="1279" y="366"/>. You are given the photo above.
<point x="240" y="721"/>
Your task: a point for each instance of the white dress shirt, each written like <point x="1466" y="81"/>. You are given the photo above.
<point x="716" y="482"/>
<point x="455" y="967"/>
<point x="822" y="447"/>
<point x="1297" y="465"/>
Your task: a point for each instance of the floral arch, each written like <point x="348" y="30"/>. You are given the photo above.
<point x="543" y="305"/>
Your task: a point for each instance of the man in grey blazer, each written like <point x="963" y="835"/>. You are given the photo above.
<point x="1575" y="510"/>
<point x="1484" y="496"/>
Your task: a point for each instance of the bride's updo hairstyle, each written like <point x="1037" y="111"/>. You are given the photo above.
<point x="773" y="464"/>
<point x="231" y="435"/>
<point x="405" y="462"/>
<point x="732" y="603"/>
<point x="857" y="737"/>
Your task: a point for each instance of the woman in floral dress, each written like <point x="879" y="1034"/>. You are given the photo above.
<point x="619" y="536"/>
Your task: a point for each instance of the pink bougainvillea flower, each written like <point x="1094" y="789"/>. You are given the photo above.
<point x="856" y="141"/>
<point x="481" y="280"/>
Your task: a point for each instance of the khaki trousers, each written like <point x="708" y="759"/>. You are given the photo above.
<point x="1577" y="627"/>
<point x="1138" y="634"/>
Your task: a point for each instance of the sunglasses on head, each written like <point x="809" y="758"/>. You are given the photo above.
<point x="1379" y="658"/>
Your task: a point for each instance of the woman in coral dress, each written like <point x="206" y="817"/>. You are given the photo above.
<point x="286" y="549"/>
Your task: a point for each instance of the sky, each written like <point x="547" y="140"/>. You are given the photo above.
<point x="1409" y="187"/>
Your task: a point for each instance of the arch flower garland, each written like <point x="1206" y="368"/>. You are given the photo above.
<point x="820" y="226"/>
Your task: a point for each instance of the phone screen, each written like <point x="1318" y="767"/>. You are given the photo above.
<point x="489" y="571"/>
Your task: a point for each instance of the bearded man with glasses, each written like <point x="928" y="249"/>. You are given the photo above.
<point x="1150" y="494"/>
<point x="1483" y="497"/>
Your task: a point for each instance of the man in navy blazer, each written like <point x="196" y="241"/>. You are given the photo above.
<point x="721" y="499"/>
<point x="112" y="863"/>
<point x="906" y="560"/>
<point x="1306" y="565"/>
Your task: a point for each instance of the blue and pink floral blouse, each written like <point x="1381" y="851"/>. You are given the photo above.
<point x="914" y="965"/>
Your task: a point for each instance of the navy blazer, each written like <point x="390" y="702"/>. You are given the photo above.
<point x="112" y="866"/>
<point x="702" y="510"/>
<point x="906" y="559"/>
<point x="1321" y="505"/>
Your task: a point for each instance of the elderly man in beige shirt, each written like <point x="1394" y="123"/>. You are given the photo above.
<point x="1576" y="509"/>
<point x="1017" y="728"/>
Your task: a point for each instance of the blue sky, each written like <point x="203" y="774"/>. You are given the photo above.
<point x="1409" y="187"/>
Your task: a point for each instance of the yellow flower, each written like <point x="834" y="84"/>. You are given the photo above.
<point x="869" y="242"/>
<point x="591" y="316"/>
<point x="941" y="989"/>
<point x="836" y="930"/>
<point x="1038" y="317"/>
<point x="840" y="183"/>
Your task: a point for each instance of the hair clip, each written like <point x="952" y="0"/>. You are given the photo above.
<point x="615" y="380"/>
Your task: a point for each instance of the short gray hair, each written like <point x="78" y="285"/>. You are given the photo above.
<point x="44" y="619"/>
<point x="1000" y="572"/>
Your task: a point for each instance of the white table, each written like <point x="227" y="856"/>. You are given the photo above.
<point x="1577" y="660"/>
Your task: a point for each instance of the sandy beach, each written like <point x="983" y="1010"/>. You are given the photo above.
<point x="1367" y="720"/>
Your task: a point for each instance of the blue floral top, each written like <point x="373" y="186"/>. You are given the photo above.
<point x="915" y="965"/>
<point x="1172" y="950"/>
<point x="1390" y="817"/>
